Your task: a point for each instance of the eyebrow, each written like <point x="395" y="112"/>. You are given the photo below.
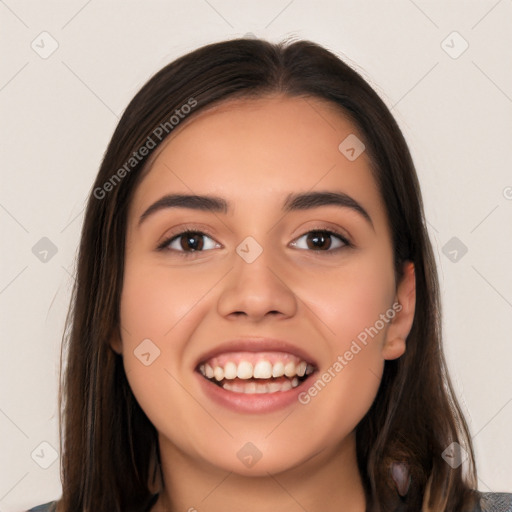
<point x="293" y="202"/>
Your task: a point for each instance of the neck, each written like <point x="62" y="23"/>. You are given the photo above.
<point x="327" y="482"/>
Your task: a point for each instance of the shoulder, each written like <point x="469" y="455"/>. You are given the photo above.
<point x="489" y="502"/>
<point x="496" y="502"/>
<point x="47" y="507"/>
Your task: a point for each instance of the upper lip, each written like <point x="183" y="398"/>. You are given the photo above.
<point x="257" y="345"/>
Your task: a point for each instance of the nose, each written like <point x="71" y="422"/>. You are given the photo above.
<point x="257" y="289"/>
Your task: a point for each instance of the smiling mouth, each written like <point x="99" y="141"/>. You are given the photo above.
<point x="253" y="373"/>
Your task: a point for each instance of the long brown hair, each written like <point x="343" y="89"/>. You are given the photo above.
<point x="109" y="447"/>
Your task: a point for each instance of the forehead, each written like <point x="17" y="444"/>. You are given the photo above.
<point x="260" y="148"/>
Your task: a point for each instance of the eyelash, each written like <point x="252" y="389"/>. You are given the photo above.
<point x="191" y="230"/>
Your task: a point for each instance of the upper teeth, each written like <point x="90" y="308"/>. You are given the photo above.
<point x="261" y="370"/>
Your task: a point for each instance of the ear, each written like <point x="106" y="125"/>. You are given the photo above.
<point x="116" y="344"/>
<point x="404" y="307"/>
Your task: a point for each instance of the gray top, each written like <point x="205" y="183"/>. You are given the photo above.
<point x="489" y="502"/>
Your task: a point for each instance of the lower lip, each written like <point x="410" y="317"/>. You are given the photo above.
<point x="251" y="402"/>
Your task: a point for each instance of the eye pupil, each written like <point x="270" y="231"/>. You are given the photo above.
<point x="320" y="239"/>
<point x="191" y="238"/>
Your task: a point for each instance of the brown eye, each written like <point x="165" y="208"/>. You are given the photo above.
<point x="319" y="240"/>
<point x="322" y="241"/>
<point x="189" y="241"/>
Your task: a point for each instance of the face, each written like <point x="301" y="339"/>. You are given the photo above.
<point x="265" y="286"/>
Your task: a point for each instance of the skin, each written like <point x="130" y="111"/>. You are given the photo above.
<point x="254" y="153"/>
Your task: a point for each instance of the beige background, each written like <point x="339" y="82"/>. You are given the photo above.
<point x="59" y="112"/>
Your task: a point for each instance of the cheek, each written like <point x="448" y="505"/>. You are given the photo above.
<point x="157" y="300"/>
<point x="158" y="315"/>
<point x="349" y="379"/>
<point x="161" y="308"/>
<point x="353" y="304"/>
<point x="350" y="300"/>
<point x="163" y="396"/>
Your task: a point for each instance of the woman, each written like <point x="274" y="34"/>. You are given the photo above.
<point x="255" y="323"/>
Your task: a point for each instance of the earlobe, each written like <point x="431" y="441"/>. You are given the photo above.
<point x="405" y="306"/>
<point x="116" y="345"/>
<point x="393" y="348"/>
